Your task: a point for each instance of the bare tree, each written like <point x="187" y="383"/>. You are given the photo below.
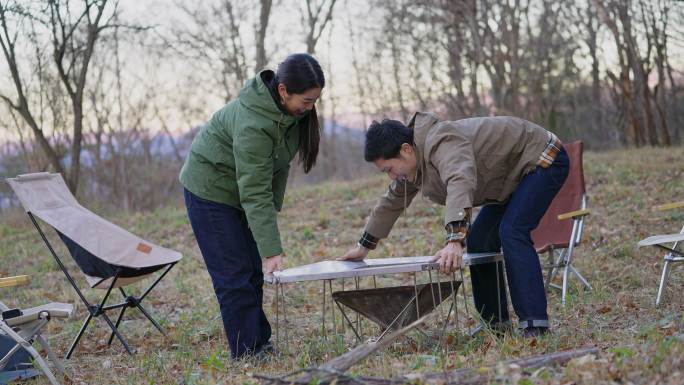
<point x="396" y="17"/>
<point x="656" y="25"/>
<point x="617" y="16"/>
<point x="209" y="38"/>
<point x="360" y="73"/>
<point x="589" y="27"/>
<point x="317" y="16"/>
<point x="8" y="41"/>
<point x="73" y="38"/>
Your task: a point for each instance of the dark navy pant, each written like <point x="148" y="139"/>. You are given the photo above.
<point x="508" y="227"/>
<point x="234" y="264"/>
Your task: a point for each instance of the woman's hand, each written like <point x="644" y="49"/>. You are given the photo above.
<point x="356" y="254"/>
<point x="450" y="258"/>
<point x="274" y="263"/>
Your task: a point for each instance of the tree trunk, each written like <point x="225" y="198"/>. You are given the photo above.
<point x="76" y="143"/>
<point x="44" y="144"/>
<point x="660" y="40"/>
<point x="122" y="143"/>
<point x="626" y="59"/>
<point x="316" y="20"/>
<point x="264" y="15"/>
<point x="398" y="84"/>
<point x="592" y="44"/>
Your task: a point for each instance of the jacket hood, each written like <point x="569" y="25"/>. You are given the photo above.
<point x="256" y="96"/>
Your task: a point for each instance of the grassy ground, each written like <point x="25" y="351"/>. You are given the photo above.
<point x="638" y="342"/>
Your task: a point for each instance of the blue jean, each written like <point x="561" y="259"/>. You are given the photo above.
<point x="232" y="259"/>
<point x="507" y="227"/>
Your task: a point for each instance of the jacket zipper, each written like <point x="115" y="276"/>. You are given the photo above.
<point x="279" y="137"/>
<point x="282" y="138"/>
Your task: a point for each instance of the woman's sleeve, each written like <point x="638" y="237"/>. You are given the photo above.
<point x="253" y="149"/>
<point x="279" y="185"/>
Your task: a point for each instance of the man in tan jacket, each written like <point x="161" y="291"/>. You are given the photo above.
<point x="510" y="166"/>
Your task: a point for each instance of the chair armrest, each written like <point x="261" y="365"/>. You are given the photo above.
<point x="14" y="281"/>
<point x="670" y="206"/>
<point x="574" y="214"/>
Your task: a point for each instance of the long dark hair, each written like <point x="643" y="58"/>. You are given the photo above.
<point x="299" y="73"/>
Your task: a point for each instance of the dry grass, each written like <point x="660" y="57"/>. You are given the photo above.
<point x="639" y="343"/>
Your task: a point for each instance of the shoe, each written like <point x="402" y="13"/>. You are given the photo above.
<point x="535" y="331"/>
<point x="266" y="351"/>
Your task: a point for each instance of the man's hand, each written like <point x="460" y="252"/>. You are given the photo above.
<point x="450" y="258"/>
<point x="273" y="263"/>
<point x="356" y="254"/>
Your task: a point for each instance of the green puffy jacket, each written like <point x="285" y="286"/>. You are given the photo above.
<point x="242" y="156"/>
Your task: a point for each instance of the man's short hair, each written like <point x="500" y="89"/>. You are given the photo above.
<point x="384" y="139"/>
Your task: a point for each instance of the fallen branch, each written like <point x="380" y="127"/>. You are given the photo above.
<point x="334" y="370"/>
<point x="486" y="374"/>
<point x="352" y="357"/>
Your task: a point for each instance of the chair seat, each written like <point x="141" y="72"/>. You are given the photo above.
<point x="53" y="309"/>
<point x="660" y="239"/>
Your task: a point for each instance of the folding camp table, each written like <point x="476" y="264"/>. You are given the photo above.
<point x="389" y="307"/>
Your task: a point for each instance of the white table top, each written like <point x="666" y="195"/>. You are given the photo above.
<point x="369" y="267"/>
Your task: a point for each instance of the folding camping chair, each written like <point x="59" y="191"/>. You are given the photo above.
<point x="556" y="235"/>
<point x="674" y="254"/>
<point x="24" y="326"/>
<point x="109" y="256"/>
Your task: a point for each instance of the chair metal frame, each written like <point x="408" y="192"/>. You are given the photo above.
<point x="673" y="254"/>
<point x="27" y="334"/>
<point x="561" y="258"/>
<point x="101" y="309"/>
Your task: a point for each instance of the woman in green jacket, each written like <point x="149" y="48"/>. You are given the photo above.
<point x="234" y="179"/>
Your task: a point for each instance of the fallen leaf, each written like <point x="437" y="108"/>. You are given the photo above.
<point x="605" y="309"/>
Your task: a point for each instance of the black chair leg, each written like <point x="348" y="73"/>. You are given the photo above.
<point x="116" y="332"/>
<point x="78" y="337"/>
<point x="149" y="317"/>
<point x="118" y="322"/>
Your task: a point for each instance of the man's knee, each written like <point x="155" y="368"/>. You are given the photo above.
<point x="513" y="235"/>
